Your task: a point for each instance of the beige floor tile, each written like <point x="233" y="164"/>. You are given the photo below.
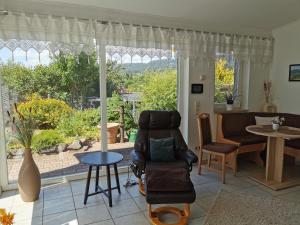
<point x="30" y="221"/>
<point x="92" y="200"/>
<point x="133" y="219"/>
<point x="65" y="218"/>
<point x="27" y="211"/>
<point x="206" y="202"/>
<point x="7" y="199"/>
<point x="141" y="202"/>
<point x="92" y="214"/>
<point x="198" y="221"/>
<point x="58" y="205"/>
<point x="57" y="191"/>
<point x="78" y="186"/>
<point x="123" y="208"/>
<point x="106" y="222"/>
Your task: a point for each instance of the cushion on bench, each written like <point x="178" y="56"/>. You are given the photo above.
<point x="249" y="139"/>
<point x="295" y="143"/>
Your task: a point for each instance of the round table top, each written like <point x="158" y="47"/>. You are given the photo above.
<point x="101" y="158"/>
<point x="283" y="132"/>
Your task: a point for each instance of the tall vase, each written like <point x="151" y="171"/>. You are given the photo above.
<point x="29" y="181"/>
<point x="268" y="106"/>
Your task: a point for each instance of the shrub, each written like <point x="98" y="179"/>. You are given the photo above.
<point x="46" y="112"/>
<point x="159" y="90"/>
<point x="113" y="112"/>
<point x="46" y="139"/>
<point x="81" y="123"/>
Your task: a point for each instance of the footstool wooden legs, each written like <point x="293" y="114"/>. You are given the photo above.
<point x="183" y="215"/>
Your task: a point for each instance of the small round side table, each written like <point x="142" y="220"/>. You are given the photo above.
<point x="98" y="159"/>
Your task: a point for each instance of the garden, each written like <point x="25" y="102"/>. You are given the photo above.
<point x="57" y="97"/>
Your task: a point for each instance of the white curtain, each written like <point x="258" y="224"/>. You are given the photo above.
<point x="43" y="32"/>
<point x="191" y="44"/>
<point x="74" y="35"/>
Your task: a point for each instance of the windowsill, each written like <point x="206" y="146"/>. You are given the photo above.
<point x="221" y="108"/>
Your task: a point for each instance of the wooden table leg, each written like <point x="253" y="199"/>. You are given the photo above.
<point x="109" y="186"/>
<point x="275" y="157"/>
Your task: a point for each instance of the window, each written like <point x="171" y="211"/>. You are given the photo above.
<point x="226" y="78"/>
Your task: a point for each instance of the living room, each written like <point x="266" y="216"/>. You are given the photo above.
<point x="103" y="84"/>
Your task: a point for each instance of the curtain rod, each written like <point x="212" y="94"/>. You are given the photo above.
<point x="6" y="12"/>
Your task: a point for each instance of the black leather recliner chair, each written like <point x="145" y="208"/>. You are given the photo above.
<point x="165" y="182"/>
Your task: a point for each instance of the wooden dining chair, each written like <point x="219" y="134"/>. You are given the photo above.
<point x="220" y="151"/>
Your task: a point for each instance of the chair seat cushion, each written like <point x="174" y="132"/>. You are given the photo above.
<point x="167" y="177"/>
<point x="295" y="143"/>
<point x="220" y="147"/>
<point x="170" y="197"/>
<point x="249" y="139"/>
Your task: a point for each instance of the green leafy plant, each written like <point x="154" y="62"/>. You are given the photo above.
<point x="46" y="112"/>
<point x="113" y="112"/>
<point x="81" y="124"/>
<point x="159" y="90"/>
<point x="23" y="127"/>
<point x="46" y="139"/>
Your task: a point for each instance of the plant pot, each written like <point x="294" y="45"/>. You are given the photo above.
<point x="29" y="180"/>
<point x="229" y="107"/>
<point x="112" y="131"/>
<point x="275" y="126"/>
<point x="132" y="135"/>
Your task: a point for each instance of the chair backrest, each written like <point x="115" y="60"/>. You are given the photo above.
<point x="157" y="125"/>
<point x="204" y="129"/>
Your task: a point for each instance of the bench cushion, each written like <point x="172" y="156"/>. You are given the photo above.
<point x="249" y="139"/>
<point x="293" y="143"/>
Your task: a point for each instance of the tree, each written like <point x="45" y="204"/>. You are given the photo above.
<point x="116" y="78"/>
<point x="79" y="76"/>
<point x="18" y="78"/>
<point x="224" y="79"/>
<point x="159" y="90"/>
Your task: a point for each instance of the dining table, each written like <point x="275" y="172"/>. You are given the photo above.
<point x="276" y="175"/>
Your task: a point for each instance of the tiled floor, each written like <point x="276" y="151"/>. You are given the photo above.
<point x="63" y="203"/>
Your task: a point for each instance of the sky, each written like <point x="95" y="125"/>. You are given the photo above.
<point x="34" y="58"/>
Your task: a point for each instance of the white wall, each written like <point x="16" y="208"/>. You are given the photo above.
<point x="286" y="52"/>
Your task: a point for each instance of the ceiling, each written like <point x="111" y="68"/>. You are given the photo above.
<point x="235" y="14"/>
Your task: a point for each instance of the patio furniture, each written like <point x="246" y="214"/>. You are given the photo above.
<point x="216" y="149"/>
<point x="166" y="182"/>
<point x="274" y="177"/>
<point x="98" y="159"/>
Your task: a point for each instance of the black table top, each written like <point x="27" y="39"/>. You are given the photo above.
<point x="100" y="158"/>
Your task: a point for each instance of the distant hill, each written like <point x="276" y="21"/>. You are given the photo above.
<point x="154" y="65"/>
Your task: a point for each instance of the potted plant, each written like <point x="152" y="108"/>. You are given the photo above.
<point x="276" y="123"/>
<point x="29" y="180"/>
<point x="229" y="99"/>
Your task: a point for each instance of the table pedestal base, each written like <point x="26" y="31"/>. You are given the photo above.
<point x="291" y="178"/>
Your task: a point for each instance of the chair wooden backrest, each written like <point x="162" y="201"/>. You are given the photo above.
<point x="204" y="129"/>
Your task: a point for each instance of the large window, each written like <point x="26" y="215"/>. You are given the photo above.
<point x="63" y="91"/>
<point x="226" y="78"/>
<point x="137" y="79"/>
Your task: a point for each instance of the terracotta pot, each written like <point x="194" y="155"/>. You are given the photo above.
<point x="112" y="131"/>
<point x="29" y="180"/>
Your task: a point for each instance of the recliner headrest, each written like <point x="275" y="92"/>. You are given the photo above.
<point x="152" y="119"/>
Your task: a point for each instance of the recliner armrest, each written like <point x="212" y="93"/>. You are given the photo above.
<point x="188" y="156"/>
<point x="138" y="158"/>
